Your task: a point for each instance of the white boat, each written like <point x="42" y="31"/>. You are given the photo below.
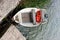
<point x="31" y="17"/>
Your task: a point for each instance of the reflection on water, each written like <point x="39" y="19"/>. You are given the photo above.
<point x="29" y="33"/>
<point x="50" y="31"/>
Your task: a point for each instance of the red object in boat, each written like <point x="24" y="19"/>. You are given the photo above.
<point x="38" y="16"/>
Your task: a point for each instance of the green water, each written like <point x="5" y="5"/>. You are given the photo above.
<point x="36" y="3"/>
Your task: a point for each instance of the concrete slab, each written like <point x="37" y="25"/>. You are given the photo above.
<point x="6" y="6"/>
<point x="13" y="34"/>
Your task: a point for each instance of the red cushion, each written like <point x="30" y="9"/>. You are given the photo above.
<point x="38" y="16"/>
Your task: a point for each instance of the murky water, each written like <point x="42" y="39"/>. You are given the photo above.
<point x="50" y="31"/>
